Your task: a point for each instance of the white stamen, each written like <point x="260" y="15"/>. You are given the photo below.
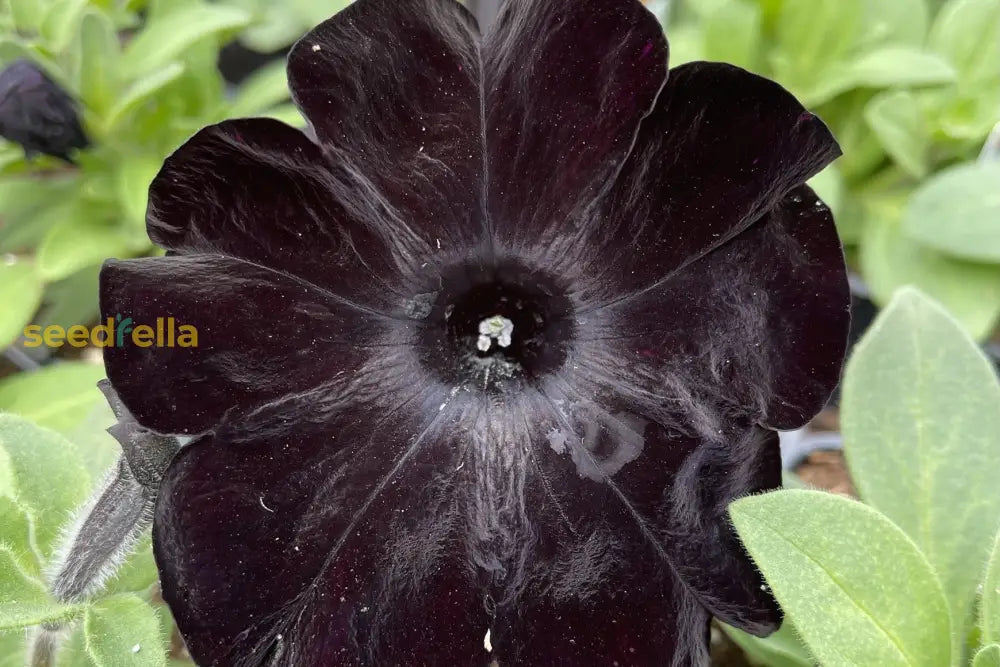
<point x="497" y="327"/>
<point x="487" y="644"/>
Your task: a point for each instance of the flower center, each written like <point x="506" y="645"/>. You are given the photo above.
<point x="489" y="327"/>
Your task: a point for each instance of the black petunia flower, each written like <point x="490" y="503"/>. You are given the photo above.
<point x="482" y="365"/>
<point x="37" y="114"/>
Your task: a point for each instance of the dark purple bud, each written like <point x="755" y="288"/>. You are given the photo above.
<point x="37" y="113"/>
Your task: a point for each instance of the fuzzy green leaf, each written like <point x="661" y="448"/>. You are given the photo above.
<point x="780" y="649"/>
<point x="16" y="532"/>
<point x="50" y="480"/>
<point x="958" y="212"/>
<point x="59" y="396"/>
<point x="989" y="603"/>
<point x="837" y="567"/>
<point x="920" y="417"/>
<point x="24" y="600"/>
<point x="124" y="631"/>
<point x="988" y="656"/>
<point x="890" y="260"/>
<point x="898" y="121"/>
<point x="77" y="243"/>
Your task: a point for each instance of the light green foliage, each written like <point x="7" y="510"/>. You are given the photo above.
<point x="921" y="414"/>
<point x="958" y="212"/>
<point x="49" y="479"/>
<point x="988" y="656"/>
<point x="59" y="396"/>
<point x="24" y="600"/>
<point x="910" y="88"/>
<point x="123" y="631"/>
<point x="916" y="568"/>
<point x="838" y="567"/>
<point x="42" y="480"/>
<point x="21" y="293"/>
<point x="989" y="604"/>
<point x="783" y="648"/>
<point x="890" y="260"/>
<point x="143" y="87"/>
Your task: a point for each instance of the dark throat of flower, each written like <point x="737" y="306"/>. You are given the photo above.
<point x="494" y="327"/>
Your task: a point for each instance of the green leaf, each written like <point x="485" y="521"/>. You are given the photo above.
<point x="77" y="243"/>
<point x="12" y="648"/>
<point x="894" y="22"/>
<point x="829" y="185"/>
<point x="138" y="572"/>
<point x="732" y="33"/>
<point x="287" y="113"/>
<point x="687" y="43"/>
<point x="167" y="37"/>
<point x="27" y="14"/>
<point x="21" y="291"/>
<point x="16" y="532"/>
<point x="837" y="567"/>
<point x="142" y="91"/>
<point x="988" y="656"/>
<point x="813" y="35"/>
<point x="97" y="72"/>
<point x="311" y="12"/>
<point x="124" y="631"/>
<point x="72" y="300"/>
<point x="890" y="260"/>
<point x="73" y="652"/>
<point x="898" y="121"/>
<point x="780" y="649"/>
<point x="59" y="396"/>
<point x="958" y="212"/>
<point x="61" y="22"/>
<point x="134" y="178"/>
<point x="50" y="480"/>
<point x="99" y="450"/>
<point x="273" y="25"/>
<point x="23" y="598"/>
<point x="920" y="415"/>
<point x="264" y="89"/>
<point x="989" y="603"/>
<point x="967" y="33"/>
<point x="883" y="67"/>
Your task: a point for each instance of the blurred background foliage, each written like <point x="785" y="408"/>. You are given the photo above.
<point x="911" y="89"/>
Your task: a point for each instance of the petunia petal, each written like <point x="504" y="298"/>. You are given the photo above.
<point x="630" y="538"/>
<point x="260" y="334"/>
<point x="258" y="190"/>
<point x="392" y="89"/>
<point x="720" y="149"/>
<point x="755" y="330"/>
<point x="325" y="529"/>
<point x="567" y="82"/>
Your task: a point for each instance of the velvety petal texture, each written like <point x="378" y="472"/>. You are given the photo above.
<point x="393" y="90"/>
<point x="483" y="359"/>
<point x="566" y="84"/>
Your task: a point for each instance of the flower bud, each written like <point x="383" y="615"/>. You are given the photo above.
<point x="37" y="113"/>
